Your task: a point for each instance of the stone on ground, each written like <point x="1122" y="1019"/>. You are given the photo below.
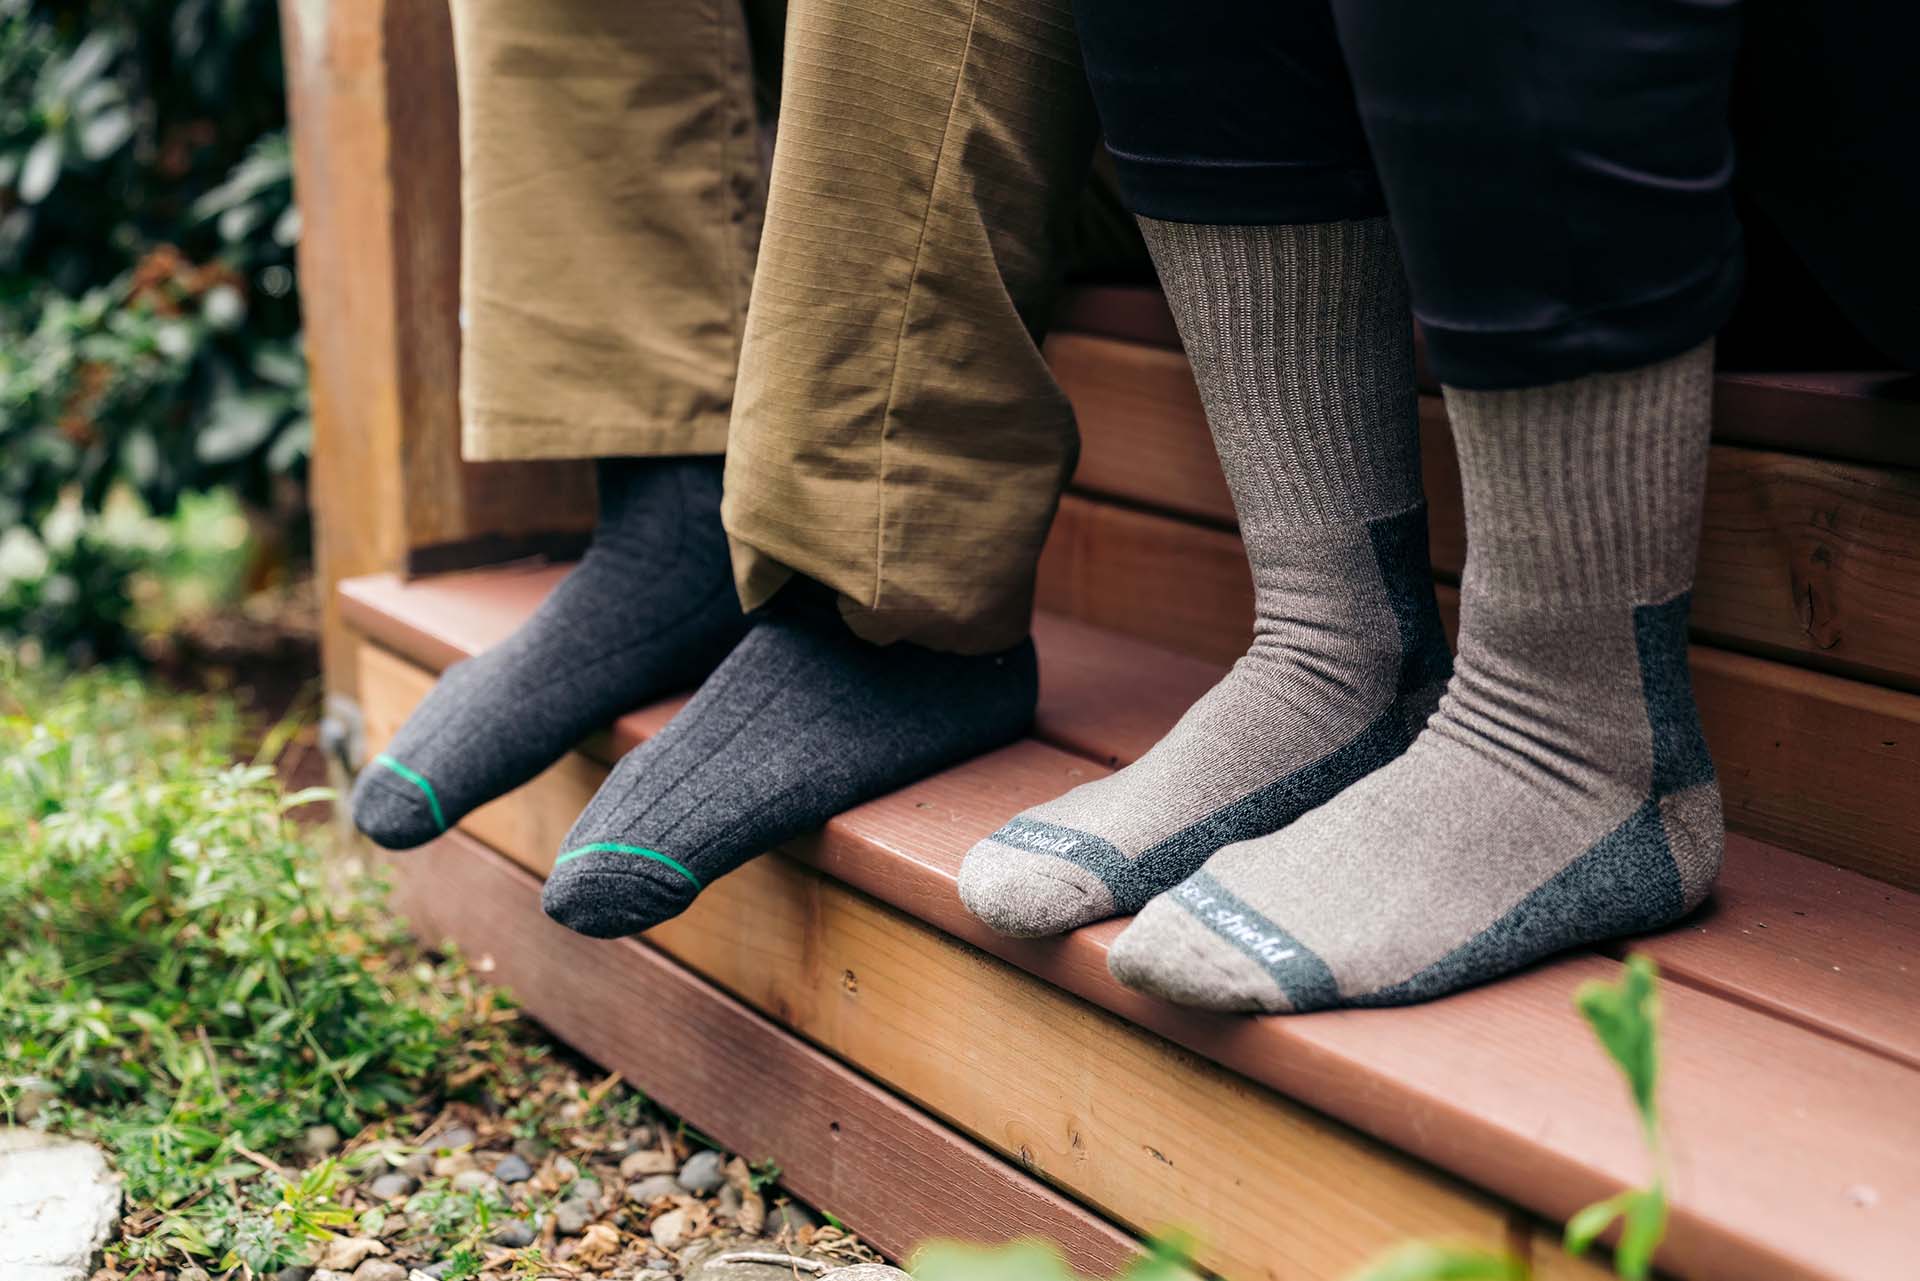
<point x="59" y="1202"/>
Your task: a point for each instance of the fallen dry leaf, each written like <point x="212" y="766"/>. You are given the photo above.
<point x="344" y="1254"/>
<point x="598" y="1244"/>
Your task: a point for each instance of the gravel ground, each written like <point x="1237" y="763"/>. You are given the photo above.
<point x="576" y="1177"/>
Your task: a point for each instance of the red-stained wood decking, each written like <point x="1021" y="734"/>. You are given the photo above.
<point x="1790" y="1091"/>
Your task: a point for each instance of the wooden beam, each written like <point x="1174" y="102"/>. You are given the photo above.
<point x="377" y="172"/>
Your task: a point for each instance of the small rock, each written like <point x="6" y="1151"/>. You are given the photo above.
<point x="398" y="1183"/>
<point x="653" y="1161"/>
<point x="789" y="1218"/>
<point x="445" y="1167"/>
<point x="653" y="1187"/>
<point x="59" y="1203"/>
<point x="513" y="1168"/>
<point x="382" y="1270"/>
<point x="319" y="1141"/>
<point x="453" y="1137"/>
<point x="434" y="1271"/>
<point x="191" y="1273"/>
<point x="332" y="1274"/>
<point x="866" y="1272"/>
<point x="532" y="1150"/>
<point x="669" y="1230"/>
<point x="513" y="1234"/>
<point x="344" y="1254"/>
<point x="704" y="1172"/>
<point x="565" y="1170"/>
<point x="570" y="1218"/>
<point x="294" y="1272"/>
<point x="419" y="1165"/>
<point x="729" y="1200"/>
<point x="473" y="1181"/>
<point x="653" y="1274"/>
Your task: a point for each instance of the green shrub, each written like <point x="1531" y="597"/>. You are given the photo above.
<point x="175" y="975"/>
<point x="149" y="319"/>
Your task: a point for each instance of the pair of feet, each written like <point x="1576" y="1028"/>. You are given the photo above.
<point x="795" y="720"/>
<point x="1327" y="827"/>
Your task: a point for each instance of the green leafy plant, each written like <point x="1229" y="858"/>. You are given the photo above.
<point x="149" y="319"/>
<point x="176" y="976"/>
<point x="1625" y="1016"/>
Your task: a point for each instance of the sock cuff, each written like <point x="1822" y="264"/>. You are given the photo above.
<point x="1301" y="339"/>
<point x="1590" y="490"/>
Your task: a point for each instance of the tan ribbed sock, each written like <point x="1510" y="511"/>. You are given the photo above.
<point x="1301" y="339"/>
<point x="1561" y="795"/>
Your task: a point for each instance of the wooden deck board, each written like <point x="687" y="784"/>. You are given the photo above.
<point x="923" y="831"/>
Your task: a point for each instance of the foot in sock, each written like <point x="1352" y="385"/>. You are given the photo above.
<point x="803" y="720"/>
<point x="650" y="609"/>
<point x="1309" y="389"/>
<point x="1561" y="795"/>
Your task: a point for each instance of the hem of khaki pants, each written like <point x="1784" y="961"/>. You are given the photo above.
<point x="497" y="438"/>
<point x="759" y="577"/>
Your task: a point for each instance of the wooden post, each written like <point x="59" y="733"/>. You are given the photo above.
<point x="377" y="171"/>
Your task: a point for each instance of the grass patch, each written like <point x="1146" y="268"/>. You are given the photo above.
<point x="177" y="982"/>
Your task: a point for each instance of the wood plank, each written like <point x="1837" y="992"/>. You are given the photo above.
<point x="1173" y="584"/>
<point x="1869" y="416"/>
<point x="372" y="100"/>
<point x="1830" y="949"/>
<point x="1812" y="561"/>
<point x="1009" y="1059"/>
<point x="1143" y="434"/>
<point x="1407" y="1086"/>
<point x="895" y="1176"/>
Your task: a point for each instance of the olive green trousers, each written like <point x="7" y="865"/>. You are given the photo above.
<point x="853" y="320"/>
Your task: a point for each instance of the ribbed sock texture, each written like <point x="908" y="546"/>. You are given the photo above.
<point x="803" y="721"/>
<point x="1301" y="341"/>
<point x="649" y="609"/>
<point x="1562" y="794"/>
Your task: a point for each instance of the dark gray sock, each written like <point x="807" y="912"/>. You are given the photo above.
<point x="650" y="609"/>
<point x="803" y="720"/>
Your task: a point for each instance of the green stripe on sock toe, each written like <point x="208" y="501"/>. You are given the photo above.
<point x="639" y="851"/>
<point x="433" y="800"/>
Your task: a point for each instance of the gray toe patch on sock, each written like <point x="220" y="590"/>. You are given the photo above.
<point x="1299" y="972"/>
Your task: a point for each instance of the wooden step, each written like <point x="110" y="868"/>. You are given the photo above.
<point x="1867" y="416"/>
<point x="1499" y="1086"/>
<point x="1805" y="559"/>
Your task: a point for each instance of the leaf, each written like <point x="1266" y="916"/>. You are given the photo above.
<point x="104" y="134"/>
<point x="1646" y="1226"/>
<point x="240" y="423"/>
<point x="1625" y="1016"/>
<point x="42" y="168"/>
<point x="1425" y="1261"/>
<point x="1584" y="1228"/>
<point x="87" y="61"/>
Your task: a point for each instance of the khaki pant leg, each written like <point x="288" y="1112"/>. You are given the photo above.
<point x="897" y="435"/>
<point x="612" y="188"/>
